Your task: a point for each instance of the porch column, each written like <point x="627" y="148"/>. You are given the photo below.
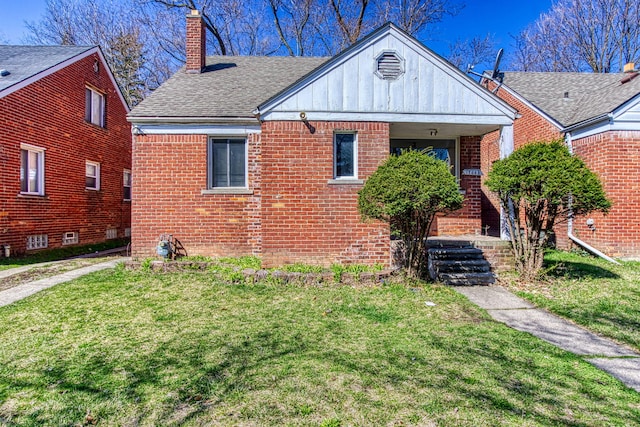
<point x="506" y="148"/>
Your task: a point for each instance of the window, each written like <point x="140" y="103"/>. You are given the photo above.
<point x="126" y="184"/>
<point x="70" y="237"/>
<point x="112" y="233"/>
<point x="127" y="232"/>
<point x="39" y="241"/>
<point x="345" y="155"/>
<point x="31" y="170"/>
<point x="442" y="149"/>
<point x="92" y="175"/>
<point x="94" y="107"/>
<point x="227" y="163"/>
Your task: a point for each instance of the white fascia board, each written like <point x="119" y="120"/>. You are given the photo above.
<point x="469" y="119"/>
<point x="360" y="46"/>
<point x="628" y="105"/>
<point x="532" y="107"/>
<point x="26" y="82"/>
<point x="194" y="129"/>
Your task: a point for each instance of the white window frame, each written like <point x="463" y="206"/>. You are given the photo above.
<point x="125" y="173"/>
<point x="97" y="175"/>
<point x="39" y="168"/>
<point x="355" y="156"/>
<point x="210" y="174"/>
<point x="94" y="107"/>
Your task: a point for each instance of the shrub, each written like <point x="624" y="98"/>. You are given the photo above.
<point x="542" y="184"/>
<point x="407" y="191"/>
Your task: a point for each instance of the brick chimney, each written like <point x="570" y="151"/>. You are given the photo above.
<point x="196" y="43"/>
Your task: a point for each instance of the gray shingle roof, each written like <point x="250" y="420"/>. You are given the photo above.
<point x="23" y="62"/>
<point x="589" y="95"/>
<point x="230" y="87"/>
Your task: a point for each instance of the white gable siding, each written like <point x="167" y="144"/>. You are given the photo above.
<point x="427" y="87"/>
<point x="632" y="115"/>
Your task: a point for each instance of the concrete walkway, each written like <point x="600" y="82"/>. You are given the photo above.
<point x="19" y="292"/>
<point x="618" y="360"/>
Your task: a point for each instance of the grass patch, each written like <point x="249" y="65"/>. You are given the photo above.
<point x="137" y="348"/>
<point x="59" y="253"/>
<point x="592" y="292"/>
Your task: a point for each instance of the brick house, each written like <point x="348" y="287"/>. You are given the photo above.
<point x="598" y="116"/>
<point x="65" y="149"/>
<point x="265" y="155"/>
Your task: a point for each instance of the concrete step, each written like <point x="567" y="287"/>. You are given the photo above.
<point x="458" y="266"/>
<point x="467" y="279"/>
<point x="468" y="253"/>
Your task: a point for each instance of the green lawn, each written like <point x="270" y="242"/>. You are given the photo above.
<point x="125" y="348"/>
<point x="592" y="292"/>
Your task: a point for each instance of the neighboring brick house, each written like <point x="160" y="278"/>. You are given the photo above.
<point x="598" y="116"/>
<point x="265" y="155"/>
<point x="65" y="149"/>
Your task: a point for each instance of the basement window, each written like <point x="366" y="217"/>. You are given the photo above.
<point x="39" y="241"/>
<point x="70" y="238"/>
<point x="112" y="233"/>
<point x="389" y="65"/>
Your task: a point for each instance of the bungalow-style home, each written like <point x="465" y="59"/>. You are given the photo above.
<point x="265" y="155"/>
<point x="598" y="116"/>
<point x="65" y="149"/>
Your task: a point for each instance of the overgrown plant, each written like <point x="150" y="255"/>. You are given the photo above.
<point x="542" y="184"/>
<point x="407" y="191"/>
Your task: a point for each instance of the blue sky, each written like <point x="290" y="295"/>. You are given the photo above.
<point x="501" y="18"/>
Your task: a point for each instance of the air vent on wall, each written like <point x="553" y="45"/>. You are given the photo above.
<point x="389" y="65"/>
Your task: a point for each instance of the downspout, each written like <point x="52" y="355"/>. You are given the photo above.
<point x="570" y="235"/>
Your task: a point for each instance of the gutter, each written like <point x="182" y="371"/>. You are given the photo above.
<point x="192" y="120"/>
<point x="570" y="234"/>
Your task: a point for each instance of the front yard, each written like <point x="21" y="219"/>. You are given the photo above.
<point x="592" y="292"/>
<point x="137" y="348"/>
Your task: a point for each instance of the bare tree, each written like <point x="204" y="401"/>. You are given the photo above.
<point x="293" y="23"/>
<point x="103" y="23"/>
<point x="413" y="16"/>
<point x="581" y="35"/>
<point x="478" y="50"/>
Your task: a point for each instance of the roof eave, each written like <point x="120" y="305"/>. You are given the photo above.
<point x="588" y="122"/>
<point x="192" y="120"/>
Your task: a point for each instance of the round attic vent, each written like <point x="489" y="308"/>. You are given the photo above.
<point x="389" y="65"/>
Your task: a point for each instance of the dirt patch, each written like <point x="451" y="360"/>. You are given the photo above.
<point x="50" y="270"/>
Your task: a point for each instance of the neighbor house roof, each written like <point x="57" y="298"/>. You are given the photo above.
<point x="572" y="98"/>
<point x="25" y="62"/>
<point x="229" y="87"/>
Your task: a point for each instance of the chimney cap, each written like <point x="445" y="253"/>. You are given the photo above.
<point x="194" y="12"/>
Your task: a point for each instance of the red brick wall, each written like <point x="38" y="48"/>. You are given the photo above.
<point x="49" y="113"/>
<point x="170" y="172"/>
<point x="615" y="157"/>
<point x="306" y="219"/>
<point x="467" y="219"/>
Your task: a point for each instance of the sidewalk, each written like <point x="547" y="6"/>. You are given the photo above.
<point x="619" y="361"/>
<point x="22" y="291"/>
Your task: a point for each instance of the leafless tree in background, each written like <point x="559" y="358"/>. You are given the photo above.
<point x="478" y="50"/>
<point x="581" y="35"/>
